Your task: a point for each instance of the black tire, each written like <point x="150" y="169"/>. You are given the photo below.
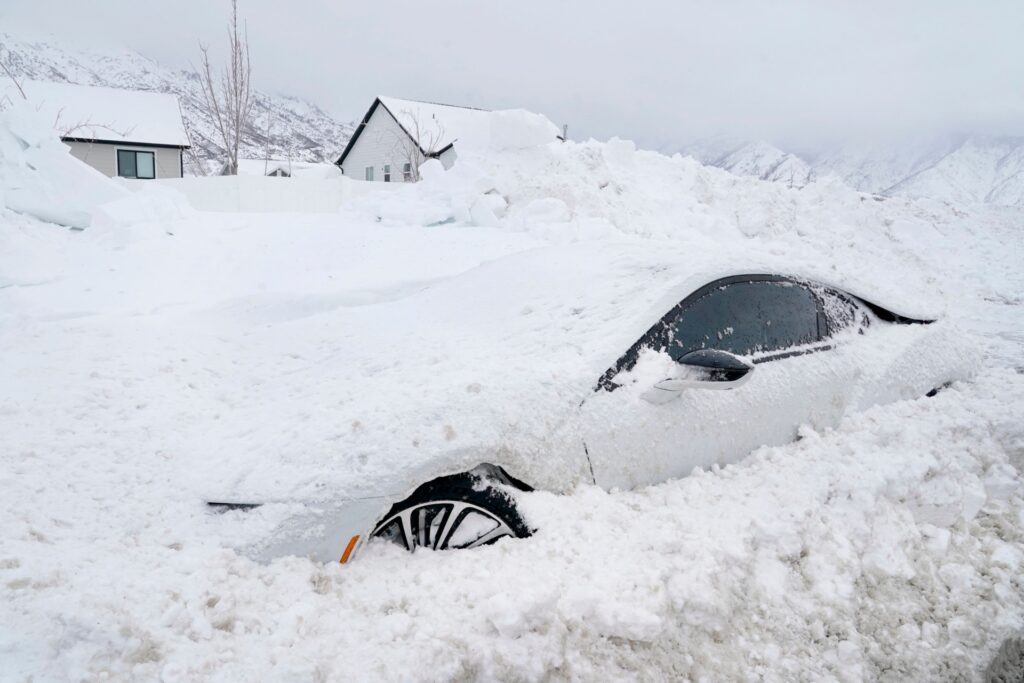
<point x="465" y="510"/>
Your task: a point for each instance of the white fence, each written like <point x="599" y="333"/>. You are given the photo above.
<point x="264" y="194"/>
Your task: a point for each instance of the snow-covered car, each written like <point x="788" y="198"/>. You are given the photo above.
<point x="721" y="361"/>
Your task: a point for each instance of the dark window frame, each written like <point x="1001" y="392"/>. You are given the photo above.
<point x="656" y="337"/>
<point x="387" y="173"/>
<point x="135" y="152"/>
<point x="407" y="172"/>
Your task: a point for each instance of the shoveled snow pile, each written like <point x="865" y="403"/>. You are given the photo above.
<point x="39" y="177"/>
<point x="147" y="357"/>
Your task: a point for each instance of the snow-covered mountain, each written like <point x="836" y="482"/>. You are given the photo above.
<point x="958" y="168"/>
<point x="289" y="127"/>
<point x="759" y="159"/>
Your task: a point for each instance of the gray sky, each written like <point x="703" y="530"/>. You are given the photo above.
<point x="659" y="72"/>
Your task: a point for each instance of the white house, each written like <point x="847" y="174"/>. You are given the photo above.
<point x="125" y="133"/>
<point x="396" y="136"/>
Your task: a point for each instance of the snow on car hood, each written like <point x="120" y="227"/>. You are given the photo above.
<point x="490" y="361"/>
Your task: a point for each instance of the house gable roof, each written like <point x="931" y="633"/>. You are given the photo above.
<point x="93" y="113"/>
<point x="433" y="127"/>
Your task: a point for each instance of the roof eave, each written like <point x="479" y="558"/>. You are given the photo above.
<point x="137" y="143"/>
<point x="358" y="131"/>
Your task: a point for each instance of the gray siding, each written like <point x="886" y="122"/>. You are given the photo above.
<point x="103" y="157"/>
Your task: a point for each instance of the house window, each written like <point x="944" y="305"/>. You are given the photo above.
<point x="407" y="173"/>
<point x="369" y="172"/>
<point x="387" y="173"/>
<point x="134" y="164"/>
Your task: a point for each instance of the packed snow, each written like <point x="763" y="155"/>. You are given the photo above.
<point x="158" y="353"/>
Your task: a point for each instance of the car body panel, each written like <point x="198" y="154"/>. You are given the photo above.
<point x="632" y="442"/>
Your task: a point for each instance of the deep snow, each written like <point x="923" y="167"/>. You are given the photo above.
<point x="149" y="357"/>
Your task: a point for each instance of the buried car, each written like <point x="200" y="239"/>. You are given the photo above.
<point x="619" y="366"/>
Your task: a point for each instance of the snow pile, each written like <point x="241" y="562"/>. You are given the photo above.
<point x="520" y="129"/>
<point x="576" y="192"/>
<point x="39" y="177"/>
<point x="146" y="360"/>
<point x="436" y="126"/>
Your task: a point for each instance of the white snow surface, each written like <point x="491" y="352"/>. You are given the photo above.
<point x="162" y="352"/>
<point x="436" y="126"/>
<point x="97" y="113"/>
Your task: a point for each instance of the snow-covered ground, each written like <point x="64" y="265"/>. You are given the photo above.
<point x="143" y="358"/>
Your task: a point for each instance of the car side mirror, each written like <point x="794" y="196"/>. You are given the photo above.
<point x="703" y="369"/>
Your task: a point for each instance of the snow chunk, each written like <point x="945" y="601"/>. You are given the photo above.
<point x="39" y="177"/>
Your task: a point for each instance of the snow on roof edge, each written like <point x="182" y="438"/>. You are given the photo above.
<point x="104" y="114"/>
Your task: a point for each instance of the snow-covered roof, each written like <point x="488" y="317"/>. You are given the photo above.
<point x="436" y="126"/>
<point x="106" y="114"/>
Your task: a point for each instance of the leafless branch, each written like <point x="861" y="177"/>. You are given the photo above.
<point x="68" y="130"/>
<point x="229" y="98"/>
<point x="10" y="74"/>
<point x="422" y="142"/>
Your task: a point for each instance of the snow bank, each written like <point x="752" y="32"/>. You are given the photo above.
<point x="39" y="177"/>
<point x="572" y="192"/>
<point x="520" y="129"/>
<point x="138" y="374"/>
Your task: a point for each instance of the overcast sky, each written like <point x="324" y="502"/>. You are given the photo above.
<point x="660" y="72"/>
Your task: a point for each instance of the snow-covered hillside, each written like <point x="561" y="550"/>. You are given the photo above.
<point x="960" y="169"/>
<point x="287" y="126"/>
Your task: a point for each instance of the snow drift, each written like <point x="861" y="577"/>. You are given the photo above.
<point x="39" y="177"/>
<point x="137" y="372"/>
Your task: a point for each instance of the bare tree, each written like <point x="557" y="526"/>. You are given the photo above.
<point x="422" y="142"/>
<point x="229" y="98"/>
<point x="5" y="100"/>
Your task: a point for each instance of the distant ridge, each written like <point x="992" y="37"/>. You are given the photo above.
<point x="961" y="169"/>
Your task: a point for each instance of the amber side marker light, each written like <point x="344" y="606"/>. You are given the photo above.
<point x="349" y="548"/>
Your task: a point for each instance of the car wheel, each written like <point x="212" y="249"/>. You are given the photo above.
<point x="460" y="511"/>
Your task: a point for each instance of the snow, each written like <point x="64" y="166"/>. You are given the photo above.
<point x="39" y="177"/>
<point x="165" y="352"/>
<point x="304" y="169"/>
<point x="436" y="126"/>
<point x="964" y="170"/>
<point x="288" y="126"/>
<point x="106" y="114"/>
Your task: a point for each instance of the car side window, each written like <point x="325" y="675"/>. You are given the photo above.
<point x="747" y="317"/>
<point x="841" y="312"/>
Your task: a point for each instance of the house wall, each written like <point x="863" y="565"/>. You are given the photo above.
<point x="382" y="142"/>
<point x="103" y="157"/>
